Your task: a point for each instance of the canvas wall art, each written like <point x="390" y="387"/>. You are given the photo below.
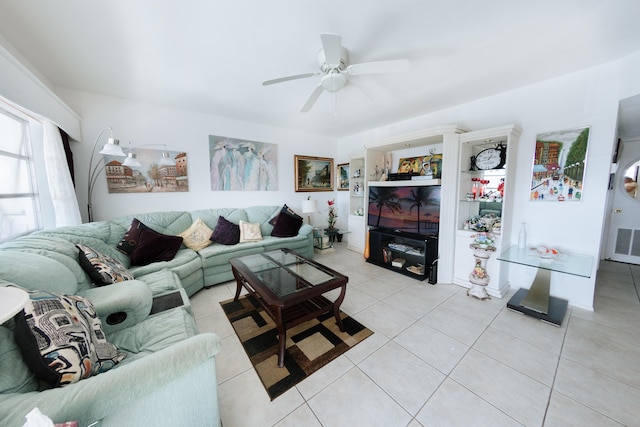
<point x="343" y="177"/>
<point x="559" y="165"/>
<point x="157" y="174"/>
<point x="430" y="165"/>
<point x="313" y="173"/>
<point x="241" y="165"/>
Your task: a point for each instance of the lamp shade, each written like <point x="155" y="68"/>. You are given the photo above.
<point x="309" y="206"/>
<point x="167" y="160"/>
<point x="132" y="161"/>
<point x="112" y="148"/>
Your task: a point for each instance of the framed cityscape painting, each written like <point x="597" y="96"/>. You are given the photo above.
<point x="313" y="173"/>
<point x="158" y="171"/>
<point x="343" y="176"/>
<point x="559" y="164"/>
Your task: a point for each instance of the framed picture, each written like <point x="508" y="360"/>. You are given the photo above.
<point x="429" y="165"/>
<point x="343" y="177"/>
<point x="559" y="163"/>
<point x="158" y="171"/>
<point x="313" y="173"/>
<point x="242" y="165"/>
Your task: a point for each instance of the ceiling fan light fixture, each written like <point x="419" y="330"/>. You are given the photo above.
<point x="333" y="82"/>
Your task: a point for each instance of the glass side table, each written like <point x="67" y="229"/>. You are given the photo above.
<point x="324" y="240"/>
<point x="536" y="300"/>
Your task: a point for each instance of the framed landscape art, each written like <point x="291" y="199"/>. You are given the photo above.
<point x="343" y="176"/>
<point x="313" y="173"/>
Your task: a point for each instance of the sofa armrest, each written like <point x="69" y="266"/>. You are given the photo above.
<point x="305" y="230"/>
<point x="162" y="388"/>
<point x="120" y="305"/>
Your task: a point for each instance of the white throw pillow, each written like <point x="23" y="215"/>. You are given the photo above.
<point x="197" y="236"/>
<point x="249" y="232"/>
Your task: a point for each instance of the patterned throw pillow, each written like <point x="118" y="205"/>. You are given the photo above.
<point x="249" y="232"/>
<point x="61" y="338"/>
<point x="130" y="239"/>
<point x="196" y="237"/>
<point x="154" y="247"/>
<point x="102" y="269"/>
<point x="226" y="232"/>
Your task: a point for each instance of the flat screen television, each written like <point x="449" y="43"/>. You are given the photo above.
<point x="410" y="209"/>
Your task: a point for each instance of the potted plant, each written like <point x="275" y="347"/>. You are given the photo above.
<point x="332" y="217"/>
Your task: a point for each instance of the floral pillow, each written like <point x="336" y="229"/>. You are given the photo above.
<point x="197" y="236"/>
<point x="249" y="232"/>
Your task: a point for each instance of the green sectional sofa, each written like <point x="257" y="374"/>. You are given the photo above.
<point x="168" y="376"/>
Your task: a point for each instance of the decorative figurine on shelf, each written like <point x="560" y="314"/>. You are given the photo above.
<point x="483" y="246"/>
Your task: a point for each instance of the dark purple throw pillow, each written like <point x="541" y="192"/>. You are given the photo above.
<point x="226" y="232"/>
<point x="286" y="225"/>
<point x="130" y="239"/>
<point x="153" y="247"/>
<point x="286" y="210"/>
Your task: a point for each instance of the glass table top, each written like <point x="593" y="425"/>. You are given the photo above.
<point x="286" y="273"/>
<point x="574" y="264"/>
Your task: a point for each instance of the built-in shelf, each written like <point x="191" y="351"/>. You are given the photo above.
<point x="407" y="183"/>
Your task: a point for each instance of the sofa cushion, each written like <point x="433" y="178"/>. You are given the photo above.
<point x="197" y="236"/>
<point x="287" y="223"/>
<point x="61" y="338"/>
<point x="250" y="232"/>
<point x="102" y="269"/>
<point x="15" y="375"/>
<point x="226" y="232"/>
<point x="154" y="247"/>
<point x="130" y="239"/>
<point x="35" y="271"/>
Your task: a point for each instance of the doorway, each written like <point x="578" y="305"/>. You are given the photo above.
<point x="623" y="239"/>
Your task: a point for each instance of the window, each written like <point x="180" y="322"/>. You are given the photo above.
<point x="19" y="201"/>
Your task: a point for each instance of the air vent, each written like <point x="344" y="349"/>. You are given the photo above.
<point x="628" y="242"/>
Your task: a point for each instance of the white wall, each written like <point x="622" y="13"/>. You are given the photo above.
<point x="181" y="130"/>
<point x="22" y="85"/>
<point x="586" y="98"/>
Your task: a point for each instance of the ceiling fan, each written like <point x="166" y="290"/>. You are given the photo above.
<point x="335" y="70"/>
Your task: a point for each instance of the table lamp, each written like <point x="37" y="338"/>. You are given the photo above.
<point x="309" y="206"/>
<point x="12" y="300"/>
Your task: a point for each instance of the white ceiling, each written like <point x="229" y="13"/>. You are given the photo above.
<point x="212" y="56"/>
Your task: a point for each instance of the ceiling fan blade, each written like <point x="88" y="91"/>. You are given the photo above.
<point x="285" y="79"/>
<point x="393" y="66"/>
<point x="332" y="45"/>
<point x="357" y="86"/>
<point x="312" y="99"/>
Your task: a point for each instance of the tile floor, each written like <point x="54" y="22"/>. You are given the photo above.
<point x="441" y="358"/>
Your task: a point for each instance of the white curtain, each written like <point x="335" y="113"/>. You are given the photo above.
<point x="63" y="194"/>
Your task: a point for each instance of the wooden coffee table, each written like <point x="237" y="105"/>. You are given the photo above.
<point x="289" y="287"/>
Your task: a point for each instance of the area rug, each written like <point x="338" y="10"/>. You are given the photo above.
<point x="309" y="346"/>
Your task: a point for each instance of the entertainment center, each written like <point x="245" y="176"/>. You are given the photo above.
<point x="474" y="182"/>
<point x="404" y="218"/>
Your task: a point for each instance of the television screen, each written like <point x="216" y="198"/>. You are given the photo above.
<point x="408" y="209"/>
